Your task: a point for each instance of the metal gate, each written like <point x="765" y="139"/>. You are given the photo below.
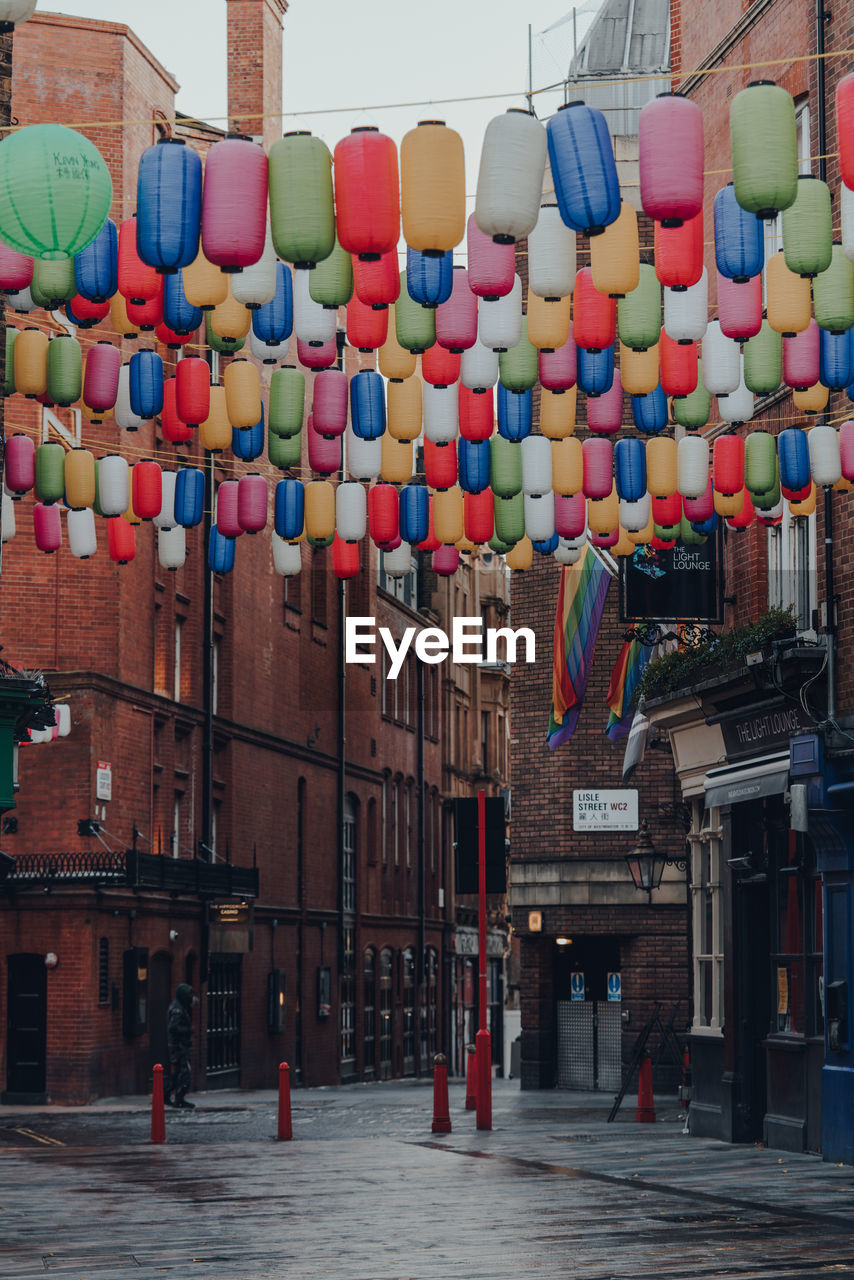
<point x="589" y="1045"/>
<point x="223" y="1030"/>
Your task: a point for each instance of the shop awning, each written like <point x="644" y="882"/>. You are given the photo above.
<point x="768" y="776"/>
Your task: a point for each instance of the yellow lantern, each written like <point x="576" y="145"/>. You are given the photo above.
<point x="465" y="546"/>
<point x="548" y="321"/>
<point x="567" y="466"/>
<point x="119" y="320"/>
<point x="615" y="255"/>
<point x="729" y="504"/>
<point x="230" y="319"/>
<point x="79" y="478"/>
<point x="205" y="285"/>
<point x="215" y="431"/>
<point x="788" y="297"/>
<point x="807" y="506"/>
<point x="395" y="361"/>
<point x="603" y="514"/>
<point x="30" y="362"/>
<point x="661" y="466"/>
<point x="624" y="545"/>
<point x="843" y="486"/>
<point x="130" y="515"/>
<point x="432" y="187"/>
<point x="813" y="400"/>
<point x="521" y="555"/>
<point x="319" y="509"/>
<point x="396" y="464"/>
<point x="243" y="393"/>
<point x="557" y="413"/>
<point x="403" y="408"/>
<point x="448" y="521"/>
<point x="639" y="370"/>
<point x="640" y="537"/>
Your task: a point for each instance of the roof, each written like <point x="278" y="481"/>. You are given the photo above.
<point x="626" y="36"/>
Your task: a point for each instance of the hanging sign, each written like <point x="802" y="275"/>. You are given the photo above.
<point x="104" y="781"/>
<point x="684" y="582"/>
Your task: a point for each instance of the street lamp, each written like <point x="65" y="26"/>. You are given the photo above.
<point x="645" y="864"/>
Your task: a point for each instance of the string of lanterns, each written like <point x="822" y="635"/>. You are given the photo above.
<point x="254" y="249"/>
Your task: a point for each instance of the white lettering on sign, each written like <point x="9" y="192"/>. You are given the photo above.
<point x="432" y="645"/>
<point x="605" y="810"/>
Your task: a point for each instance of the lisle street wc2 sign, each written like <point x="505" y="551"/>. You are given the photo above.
<point x="605" y="810"/>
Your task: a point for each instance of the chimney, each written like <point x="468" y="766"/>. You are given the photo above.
<point x="255" y="68"/>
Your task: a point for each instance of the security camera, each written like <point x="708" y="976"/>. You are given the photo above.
<point x="173" y="935"/>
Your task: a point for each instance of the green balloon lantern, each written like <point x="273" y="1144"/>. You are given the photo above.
<point x="53" y="282"/>
<point x="763" y="361"/>
<point x="764" y="140"/>
<point x="689" y="535"/>
<point x="501" y="548"/>
<point x="302" y="213"/>
<point x="287" y="402"/>
<point x="284" y="451"/>
<point x="760" y="462"/>
<point x="50" y="472"/>
<point x="331" y="282"/>
<point x="55" y="191"/>
<point x="518" y="366"/>
<point x="64" y="370"/>
<point x="639" y="312"/>
<point x="510" y="519"/>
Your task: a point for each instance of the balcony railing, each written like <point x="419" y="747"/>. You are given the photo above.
<point x="133" y="870"/>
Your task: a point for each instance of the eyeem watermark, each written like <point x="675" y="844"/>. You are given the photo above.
<point x="465" y="644"/>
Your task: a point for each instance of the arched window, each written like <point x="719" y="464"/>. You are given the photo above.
<point x="408" y="962"/>
<point x="385" y="994"/>
<point x="369" y="1012"/>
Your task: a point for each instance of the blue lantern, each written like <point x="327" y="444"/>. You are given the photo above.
<point x="630" y="468"/>
<point x="289" y="518"/>
<point x="705" y="527"/>
<point x="169" y="205"/>
<point x="367" y="405"/>
<point x="189" y="496"/>
<point x="794" y="456"/>
<point x="429" y="279"/>
<point x="414" y="513"/>
<point x="220" y="552"/>
<point x="739" y="238"/>
<point x="248" y="442"/>
<point x="146" y="384"/>
<point x="178" y="314"/>
<point x="515" y="413"/>
<point x="473" y="464"/>
<point x="274" y="322"/>
<point x="650" y="411"/>
<point x="836" y="358"/>
<point x="583" y="168"/>
<point x="595" y="371"/>
<point x="96" y="268"/>
<point x="547" y="546"/>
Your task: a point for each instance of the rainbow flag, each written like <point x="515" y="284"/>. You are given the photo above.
<point x="625" y="677"/>
<point x="580" y="604"/>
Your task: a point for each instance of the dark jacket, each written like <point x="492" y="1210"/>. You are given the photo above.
<point x="179" y="1024"/>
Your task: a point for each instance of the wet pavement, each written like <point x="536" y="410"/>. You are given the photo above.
<point x="366" y="1192"/>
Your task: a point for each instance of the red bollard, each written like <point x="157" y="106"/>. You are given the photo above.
<point x="646" y="1102"/>
<point x="471" y="1077"/>
<point x="285" y="1127"/>
<point x="158" y="1119"/>
<point x="483" y="1042"/>
<point x="441" y="1111"/>
<point x="686" y="1075"/>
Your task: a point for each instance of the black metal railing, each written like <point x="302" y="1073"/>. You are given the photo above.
<point x="133" y="870"/>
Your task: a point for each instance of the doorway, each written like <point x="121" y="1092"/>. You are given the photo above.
<point x="223" y="1030"/>
<point x="26" y="1041"/>
<point x="589" y="1027"/>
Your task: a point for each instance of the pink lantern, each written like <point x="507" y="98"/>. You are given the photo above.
<point x="492" y="267"/>
<point x="605" y="412"/>
<point x="558" y="368"/>
<point x="16" y="270"/>
<point x="671" y="153"/>
<point x="802" y="357"/>
<point x="570" y="514"/>
<point x="252" y="502"/>
<point x="446" y="559"/>
<point x="324" y="452"/>
<point x="21" y="464"/>
<point x="329" y="404"/>
<point x="456" y="319"/>
<point x="227" y="518"/>
<point x="234" y="204"/>
<point x="101" y="380"/>
<point x="377" y="280"/>
<point x="740" y="307"/>
<point x="701" y="509"/>
<point x="47" y="527"/>
<point x="846" y="450"/>
<point x="322" y="357"/>
<point x="607" y="539"/>
<point x="598" y="467"/>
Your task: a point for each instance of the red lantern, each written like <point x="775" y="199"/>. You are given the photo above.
<point x="138" y="282"/>
<point x="170" y="337"/>
<point x="377" y="280"/>
<point x="677" y="366"/>
<point x="147" y="489"/>
<point x="796" y="495"/>
<point x="605" y="412"/>
<point x="595" y="314"/>
<point x="101" y="379"/>
<point x="845" y="128"/>
<point x="383" y="513"/>
<point x="439" y="366"/>
<point x="740" y="307"/>
<point x="662" y="544"/>
<point x="698" y="510"/>
<point x="679" y="253"/>
<point x="367" y="327"/>
<point x="667" y="511"/>
<point x="367" y="192"/>
<point x="558" y="368"/>
<point x="492" y="266"/>
<point x="324" y="452"/>
<point x="88" y="313"/>
<point x="431" y="542"/>
<point x="252" y="502"/>
<point x="570" y="514"/>
<point x="322" y="357"/>
<point x="234" y="204"/>
<point x="227" y="521"/>
<point x="745" y="516"/>
<point x="192" y="390"/>
<point x="121" y="540"/>
<point x="440" y="464"/>
<point x="728" y="464"/>
<point x="147" y="315"/>
<point x="456" y="319"/>
<point x="598" y="467"/>
<point x="802" y="357"/>
<point x="174" y="429"/>
<point x="329" y="402"/>
<point x="16" y="270"/>
<point x="607" y="539"/>
<point x="345" y="558"/>
<point x="477" y="413"/>
<point x="478" y="517"/>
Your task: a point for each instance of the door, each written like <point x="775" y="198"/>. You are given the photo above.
<point x="159" y="996"/>
<point x="26" y="1059"/>
<point x="223" y="1036"/>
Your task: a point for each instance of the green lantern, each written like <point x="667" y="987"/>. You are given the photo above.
<point x="225" y="346"/>
<point x="284" y="451"/>
<point x="50" y="472"/>
<point x="693" y="411"/>
<point x="64" y="370"/>
<point x="763" y="361"/>
<point x="505" y="470"/>
<point x="639" y="312"/>
<point x="808" y="228"/>
<point x="510" y="519"/>
<point x="833" y="293"/>
<point x="302" y="212"/>
<point x="518" y="367"/>
<point x="415" y="325"/>
<point x="331" y="282"/>
<point x="53" y="282"/>
<point x="667" y="532"/>
<point x="499" y="547"/>
<point x="96" y="505"/>
<point x="287" y="401"/>
<point x="760" y="462"/>
<point x="764" y="141"/>
<point x="9" y="385"/>
<point x="765" y="501"/>
<point x="55" y="191"/>
<point x="320" y="542"/>
<point x="688" y="535"/>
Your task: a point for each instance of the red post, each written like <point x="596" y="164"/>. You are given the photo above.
<point x="483" y="1040"/>
<point x="686" y="1075"/>
<point x="158" y="1120"/>
<point x="286" y="1131"/>
<point x="471" y="1077"/>
<point x="646" y="1101"/>
<point x="441" y="1110"/>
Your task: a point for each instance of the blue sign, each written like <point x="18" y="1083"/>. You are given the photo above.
<point x="615" y="986"/>
<point x="576" y="986"/>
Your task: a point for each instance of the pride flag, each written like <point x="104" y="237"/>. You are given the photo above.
<point x="580" y="603"/>
<point x="625" y="678"/>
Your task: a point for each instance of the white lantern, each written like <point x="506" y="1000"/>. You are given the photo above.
<point x="124" y="415"/>
<point x="166" y="517"/>
<point x="551" y="255"/>
<point x="364" y="457"/>
<point x="255" y="286"/>
<point x="287" y="557"/>
<point x="479" y="367"/>
<point x="738" y="405"/>
<point x="499" y="320"/>
<point x="634" y="516"/>
<point x="266" y="354"/>
<point x="113" y="485"/>
<point x="846" y="198"/>
<point x="510" y="178"/>
<point x="440" y="408"/>
<point x="721" y="361"/>
<point x="536" y="464"/>
<point x="767" y="514"/>
<point x="825" y="462"/>
<point x="20" y="300"/>
<point x="313" y="323"/>
<point x="540" y="516"/>
<point x="566" y="551"/>
<point x="692" y="463"/>
<point x="82" y="539"/>
<point x="63" y="719"/>
<point x="351" y="511"/>
<point x="398" y="563"/>
<point x="8" y="517"/>
<point x="172" y="546"/>
<point x="686" y="311"/>
<point x="14" y="11"/>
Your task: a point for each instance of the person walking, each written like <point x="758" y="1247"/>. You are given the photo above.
<point x="179" y="1035"/>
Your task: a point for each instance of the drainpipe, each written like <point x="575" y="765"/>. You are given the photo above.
<point x="422" y="894"/>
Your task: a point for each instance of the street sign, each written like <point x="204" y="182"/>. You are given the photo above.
<point x="615" y="986"/>
<point x="576" y="986"/>
<point x="104" y="781"/>
<point x="605" y="810"/>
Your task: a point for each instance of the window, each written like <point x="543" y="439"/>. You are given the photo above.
<point x="176" y="826"/>
<point x="176" y="690"/>
<point x="797" y="960"/>
<point x="386" y="1020"/>
<point x="369" y="1013"/>
<point x="348" y="868"/>
<point x="371" y="832"/>
<point x="104" y="971"/>
<point x="161" y="642"/>
<point x="348" y="1022"/>
<point x="395" y="820"/>
<point x="792" y="567"/>
<point x="429" y="1014"/>
<point x="705" y="842"/>
<point x="408" y="961"/>
<point x="501" y="748"/>
<point x="318" y="587"/>
<point x="408" y="825"/>
<point x="386" y="821"/>
<point x="484" y="741"/>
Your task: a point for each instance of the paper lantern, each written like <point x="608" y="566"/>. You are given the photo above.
<point x="445" y="561"/>
<point x="189" y="501"/>
<point x="595" y="370"/>
<point x="221" y="551"/>
<point x="16" y="269"/>
<point x="649" y="411"/>
<point x="20" y="466"/>
<point x="429" y="278"/>
<point x="101" y="378"/>
<point x="30" y="363"/>
<point x="807" y="506"/>
<point x="255" y="286"/>
<point x="413" y="513"/>
<point x="165" y="518"/>
<point x="548" y="322"/>
<point x="737" y="405"/>
<point x="252" y="503"/>
<point x="570" y="512"/>
<point x="639" y="370"/>
<point x="174" y="341"/>
<point x="351" y="511"/>
<point x="788" y="296"/>
<point x="638" y="313"/>
<point x="808" y="228"/>
<point x="551" y="256"/>
<point x="47" y="527"/>
<point x="760" y="461"/>
<point x="64" y="370"/>
<point x="636" y="516"/>
<point x="567" y="552"/>
<point x="345" y="558"/>
<point x="603" y="519"/>
<point x="728" y="464"/>
<point x="810" y="399"/>
<point x="794" y="459"/>
<point x="174" y="429"/>
<point x="364" y="457"/>
<point x="448" y="514"/>
<point x="701" y="508"/>
<point x="242" y="393"/>
<point x="802" y="357"/>
<point x="825" y="457"/>
<point x="686" y="311"/>
<point x="331" y="281"/>
<point x="215" y="431"/>
<point x="478" y="516"/>
<point x="515" y="413"/>
<point x="630" y="469"/>
<point x="383" y="513"/>
<point x="491" y="265"/>
<point x="509" y="517"/>
<point x="517" y="366"/>
<point x="273" y="321"/>
<point x="692" y="461"/>
<point x="193" y="390"/>
<point x="85" y="314"/>
<point x="377" y="281"/>
<point x="79" y="478"/>
<point x="324" y="452"/>
<point x="284" y="452"/>
<point x="21" y="301"/>
<point x="330" y="402"/>
<point x="539" y="511"/>
<point x="662" y="466"/>
<point x="138" y="281"/>
<point x="558" y="368"/>
<point x="147" y="315"/>
<point x="395" y="361"/>
<point x="739" y="238"/>
<point x="678" y="366"/>
<point x="415" y="325"/>
<point x="744" y="517"/>
<point x="113" y="484"/>
<point x="598" y="467"/>
<point x="688" y="535"/>
<point x="567" y="466"/>
<point x="510" y="177"/>
<point x="53" y="283"/>
<point x="439" y="366"/>
<point x="846" y="200"/>
<point x="456" y="318"/>
<point x="82" y="538"/>
<point x="440" y="412"/>
<point x="763" y="361"/>
<point x="433" y="187"/>
<point x="678" y="253"/>
<point x="763" y="137"/>
<point x="595" y="315"/>
<point x="50" y="210"/>
<point x="536" y="465"/>
<point x="505" y="467"/>
<point x="766" y="499"/>
<point x="302" y="219"/>
<point x="367" y="196"/>
<point x="836" y="358"/>
<point x="119" y="319"/>
<point x="846" y="450"/>
<point x="146" y="384"/>
<point x="670" y="153"/>
<point x="205" y="286"/>
<point x="667" y="511"/>
<point x="583" y="168"/>
<point x="845" y="128"/>
<point x="9" y="379"/>
<point x="499" y="320"/>
<point x="267" y="353"/>
<point x="234" y="203"/>
<point x="740" y="308"/>
<point x="289" y="509"/>
<point x="313" y="323"/>
<point x="615" y="255"/>
<point x="226" y="509"/>
<point x="146" y="489"/>
<point x="479" y="367"/>
<point x="95" y="267"/>
<point x="605" y="412"/>
<point x="172" y="548"/>
<point x="169" y="204"/>
<point x="833" y="293"/>
<point x="367" y="327"/>
<point x="367" y="405"/>
<point x="720" y="361"/>
<point x="403" y="408"/>
<point x="248" y="442"/>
